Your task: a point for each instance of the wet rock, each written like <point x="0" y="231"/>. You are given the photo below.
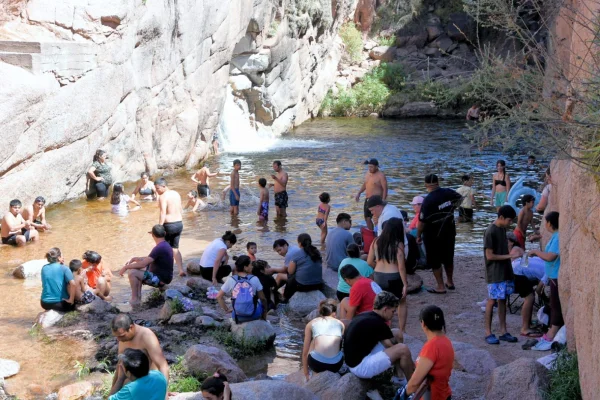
<point x="173" y="294"/>
<point x="29" y="269"/>
<point x="207" y="321"/>
<point x="383" y="53"/>
<point x="49" y="318"/>
<point x="200" y="359"/>
<point x="273" y="319"/>
<point x="213" y="314"/>
<point x="8" y="368"/>
<point x="303" y="303"/>
<point x="98" y="306"/>
<point x="521" y="379"/>
<point x="193" y="267"/>
<point x="414" y="283"/>
<point x="76" y="391"/>
<point x="258" y="330"/>
<point x="183" y="318"/>
<point x="474" y="361"/>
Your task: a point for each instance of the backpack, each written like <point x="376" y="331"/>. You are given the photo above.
<point x="243" y="297"/>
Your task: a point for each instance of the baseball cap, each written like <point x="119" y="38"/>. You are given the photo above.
<point x="375" y="201"/>
<point x="372" y="161"/>
<point x="417" y="200"/>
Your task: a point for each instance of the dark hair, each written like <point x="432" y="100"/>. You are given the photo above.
<point x="160" y="182"/>
<point x="259" y="266"/>
<point x="385" y="299"/>
<point x="236" y="161"/>
<point x="342" y="217"/>
<point x="277" y="162"/>
<point x="53" y="255"/>
<point x="324" y="197"/>
<point x="214" y="384"/>
<point x="262" y="182"/>
<point x="144" y="174"/>
<point x="159" y="231"/>
<point x="527" y="198"/>
<point x="136" y="362"/>
<point x="531" y="157"/>
<point x="280" y="243"/>
<point x="92" y="257"/>
<point x="507" y="211"/>
<point x="389" y="240"/>
<point x="327" y="307"/>
<point x="75" y="265"/>
<point x="250" y="244"/>
<point x="548" y="171"/>
<point x="121" y="321"/>
<point x="404" y="217"/>
<point x="229" y="237"/>
<point x="241" y="263"/>
<point x="465" y="178"/>
<point x="305" y="241"/>
<point x="15" y="202"/>
<point x="502" y="164"/>
<point x="353" y="250"/>
<point x="194" y="194"/>
<point x="99" y="153"/>
<point x="116" y="194"/>
<point x="349" y="271"/>
<point x="433" y="318"/>
<point x="431" y="179"/>
<point x="40" y="199"/>
<point x="552" y="218"/>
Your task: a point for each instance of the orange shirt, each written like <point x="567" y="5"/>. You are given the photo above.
<point x="440" y="351"/>
<point x="93" y="273"/>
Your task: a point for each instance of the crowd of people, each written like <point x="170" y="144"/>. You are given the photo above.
<point x="355" y="329"/>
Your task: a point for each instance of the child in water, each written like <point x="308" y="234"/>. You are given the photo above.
<point x="465" y="211"/>
<point x="194" y="201"/>
<point x="263" y="204"/>
<point x="119" y="201"/>
<point x="323" y="214"/>
<point x="83" y="294"/>
<point x="251" y="250"/>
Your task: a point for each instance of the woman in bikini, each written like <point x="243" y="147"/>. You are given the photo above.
<point x="500" y="185"/>
<point x="145" y="188"/>
<point x="323" y="214"/>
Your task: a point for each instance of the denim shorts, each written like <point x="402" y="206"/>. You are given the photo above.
<point x="500" y="290"/>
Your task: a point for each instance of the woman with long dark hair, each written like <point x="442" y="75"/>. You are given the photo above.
<point x="99" y="175"/>
<point x="500" y="185"/>
<point x="213" y="264"/>
<point x="120" y="201"/>
<point x="145" y="188"/>
<point x="387" y="259"/>
<point x="305" y="270"/>
<point x="216" y="387"/>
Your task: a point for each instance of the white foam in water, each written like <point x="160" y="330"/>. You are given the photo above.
<point x="236" y="135"/>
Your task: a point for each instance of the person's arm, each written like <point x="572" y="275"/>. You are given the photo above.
<point x="194" y="178"/>
<point x="362" y="189"/>
<point x="139" y="263"/>
<point x="493" y="189"/>
<point x="91" y="174"/>
<point x="508" y="184"/>
<point x="156" y="356"/>
<point x="282" y="181"/>
<point x="371" y="255"/>
<point x="213" y="174"/>
<point x="162" y="206"/>
<point x="263" y="300"/>
<point x="327" y="213"/>
<point x="350" y="311"/>
<point x="132" y="200"/>
<point x="275" y="270"/>
<point x="490" y="256"/>
<point x="196" y="205"/>
<point x="71" y="289"/>
<point x="542" y="204"/>
<point x="402" y="269"/>
<point x="136" y="190"/>
<point x="306" y="349"/>
<point x="13" y="223"/>
<point x="472" y="195"/>
<point x="384" y="186"/>
<point x="420" y="227"/>
<point x="221" y="301"/>
<point x="291" y="269"/>
<point x="119" y="382"/>
<point x="420" y="374"/>
<point x="546" y="256"/>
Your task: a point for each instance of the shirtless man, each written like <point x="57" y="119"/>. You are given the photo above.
<point x="234" y="188"/>
<point x="525" y="219"/>
<point x="279" y="187"/>
<point x="35" y="214"/>
<point x="15" y="230"/>
<point x="169" y="204"/>
<point x="132" y="336"/>
<point x="375" y="185"/>
<point x="201" y="177"/>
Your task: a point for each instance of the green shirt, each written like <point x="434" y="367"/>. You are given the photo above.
<point x="55" y="280"/>
<point x="151" y="387"/>
<point x="361" y="265"/>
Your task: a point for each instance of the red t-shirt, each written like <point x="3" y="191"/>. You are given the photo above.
<point x="362" y="295"/>
<point x="440" y="351"/>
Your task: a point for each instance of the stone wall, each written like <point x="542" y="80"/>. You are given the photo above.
<point x="151" y="89"/>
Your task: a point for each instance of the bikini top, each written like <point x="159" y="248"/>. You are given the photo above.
<point x="500" y="182"/>
<point x="146" y="192"/>
<point x="327" y="327"/>
<point x="321" y="210"/>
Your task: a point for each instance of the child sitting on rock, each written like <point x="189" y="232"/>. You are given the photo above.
<point x="83" y="294"/>
<point x="267" y="281"/>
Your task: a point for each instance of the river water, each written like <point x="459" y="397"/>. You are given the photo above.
<point x="322" y="155"/>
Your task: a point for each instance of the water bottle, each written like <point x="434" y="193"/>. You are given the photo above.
<point x="525" y="260"/>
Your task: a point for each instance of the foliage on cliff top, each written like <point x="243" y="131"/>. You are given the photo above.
<point x="352" y="39"/>
<point x="564" y="378"/>
<point x="304" y="14"/>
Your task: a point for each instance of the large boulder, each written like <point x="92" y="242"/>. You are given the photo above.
<point x="473" y="360"/>
<point x="29" y="269"/>
<point x="97" y="306"/>
<point x="461" y="27"/>
<point x="258" y="330"/>
<point x="183" y="318"/>
<point x="331" y="386"/>
<point x="383" y="53"/>
<point x="76" y="391"/>
<point x="521" y="379"/>
<point x="418" y="39"/>
<point x="193" y="267"/>
<point x="49" y="318"/>
<point x="443" y="43"/>
<point x="302" y="303"/>
<point x="259" y="390"/>
<point x="8" y="368"/>
<point x="198" y="284"/>
<point x="201" y="359"/>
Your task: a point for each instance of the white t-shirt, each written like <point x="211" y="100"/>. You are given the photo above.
<point x="546" y="191"/>
<point x="121" y="208"/>
<point x="390" y="211"/>
<point x="231" y="282"/>
<point x="466" y="192"/>
<point x="210" y="253"/>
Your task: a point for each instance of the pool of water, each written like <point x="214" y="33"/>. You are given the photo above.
<point x="323" y="155"/>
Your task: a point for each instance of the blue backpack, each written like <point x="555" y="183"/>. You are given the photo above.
<point x="243" y="297"/>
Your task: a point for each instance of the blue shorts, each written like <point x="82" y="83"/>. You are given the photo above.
<point x="257" y="314"/>
<point x="232" y="200"/>
<point x="500" y="290"/>
<point x="499" y="199"/>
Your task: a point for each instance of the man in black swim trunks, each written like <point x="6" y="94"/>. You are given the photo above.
<point x="169" y="203"/>
<point x="437" y="230"/>
<point x="201" y="177"/>
<point x="375" y="184"/>
<point x="15" y="230"/>
<point x="280" y="189"/>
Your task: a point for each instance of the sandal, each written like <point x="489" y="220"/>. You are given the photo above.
<point x="532" y="334"/>
<point x="450" y="287"/>
<point x="492" y="339"/>
<point x="507" y="337"/>
<point x="435" y="291"/>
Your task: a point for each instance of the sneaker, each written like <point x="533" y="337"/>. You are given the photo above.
<point x="507" y="337"/>
<point x="492" y="339"/>
<point x="542" y="345"/>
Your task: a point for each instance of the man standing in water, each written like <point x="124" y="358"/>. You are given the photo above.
<point x="201" y="178"/>
<point x="280" y="187"/>
<point x="375" y="185"/>
<point x="169" y="204"/>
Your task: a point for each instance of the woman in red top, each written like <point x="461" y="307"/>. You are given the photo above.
<point x="436" y="358"/>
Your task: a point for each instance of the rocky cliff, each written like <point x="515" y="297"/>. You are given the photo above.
<point x="146" y="80"/>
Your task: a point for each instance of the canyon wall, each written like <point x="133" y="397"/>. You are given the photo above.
<point x="146" y="81"/>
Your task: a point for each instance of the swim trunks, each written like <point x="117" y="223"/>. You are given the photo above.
<point x="366" y="210"/>
<point x="319" y="222"/>
<point x="264" y="210"/>
<point x="173" y="233"/>
<point x="281" y="199"/>
<point x="500" y="290"/>
<point x="12" y="239"/>
<point x="203" y="190"/>
<point x="499" y="199"/>
<point x="520" y="237"/>
<point x="86" y="298"/>
<point x="152" y="280"/>
<point x="232" y="200"/>
<point x="466" y="214"/>
<point x="390" y="282"/>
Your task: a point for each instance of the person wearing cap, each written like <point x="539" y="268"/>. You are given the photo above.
<point x="436" y="228"/>
<point x="154" y="270"/>
<point x="416" y="205"/>
<point x="375" y="184"/>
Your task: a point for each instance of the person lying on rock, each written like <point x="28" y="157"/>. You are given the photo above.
<point x="15" y="230"/>
<point x="362" y="293"/>
<point x="371" y="347"/>
<point x="155" y="270"/>
<point x="98" y="277"/>
<point x="216" y="387"/>
<point x="133" y="336"/>
<point x="35" y="214"/>
<point x="144" y="383"/>
<point x="245" y="290"/>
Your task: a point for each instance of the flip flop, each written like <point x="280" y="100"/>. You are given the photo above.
<point x="450" y="287"/>
<point x="532" y="334"/>
<point x="435" y="291"/>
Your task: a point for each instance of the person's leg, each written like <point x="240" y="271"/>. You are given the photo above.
<point x="526" y="312"/>
<point x="291" y="287"/>
<point x="556" y="318"/>
<point x="402" y="315"/>
<point x="341" y="295"/>
<point x="489" y="314"/>
<point x="399" y="355"/>
<point x="21" y="240"/>
<point x="439" y="279"/>
<point x="502" y="315"/>
<point x="102" y="289"/>
<point x="343" y="308"/>
<point x="222" y="272"/>
<point x="281" y="279"/>
<point x="101" y="190"/>
<point x="179" y="261"/>
<point x="398" y="336"/>
<point x="323" y="232"/>
<point x="32" y="235"/>
<point x="448" y="259"/>
<point x="136" y="277"/>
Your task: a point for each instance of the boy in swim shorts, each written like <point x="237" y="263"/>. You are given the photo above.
<point x="83" y="294"/>
<point x="15" y="230"/>
<point x="234" y="185"/>
<point x="263" y="204"/>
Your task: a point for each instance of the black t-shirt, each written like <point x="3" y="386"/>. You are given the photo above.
<point x="364" y="332"/>
<point x="437" y="212"/>
<point x="497" y="271"/>
<point x="268" y="283"/>
<point x="162" y="254"/>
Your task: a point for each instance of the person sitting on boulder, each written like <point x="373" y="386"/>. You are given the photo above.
<point x="98" y="277"/>
<point x="143" y="383"/>
<point x="35" y="214"/>
<point x="245" y="290"/>
<point x="371" y="347"/>
<point x="353" y="252"/>
<point x="216" y="387"/>
<point x="282" y="247"/>
<point x="362" y="293"/>
<point x="213" y="263"/>
<point x="58" y="283"/>
<point x="305" y="271"/>
<point x="267" y="281"/>
<point x="323" y="341"/>
<point x="435" y="359"/>
<point x="83" y="294"/>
